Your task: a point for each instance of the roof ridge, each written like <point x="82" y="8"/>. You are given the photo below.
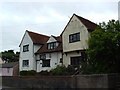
<point x="37" y="33"/>
<point x="84" y="18"/>
<point x="38" y="38"/>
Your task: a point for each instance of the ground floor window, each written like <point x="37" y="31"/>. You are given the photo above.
<point x="25" y="63"/>
<point x="46" y="63"/>
<point x="75" y="61"/>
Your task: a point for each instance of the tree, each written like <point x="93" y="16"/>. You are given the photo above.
<point x="10" y="56"/>
<point x="104" y="49"/>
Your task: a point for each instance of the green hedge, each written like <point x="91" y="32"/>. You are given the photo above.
<point x="59" y="70"/>
<point x="28" y="73"/>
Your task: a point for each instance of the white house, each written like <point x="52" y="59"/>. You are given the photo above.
<point x="39" y="52"/>
<point x="29" y="45"/>
<point x="75" y="39"/>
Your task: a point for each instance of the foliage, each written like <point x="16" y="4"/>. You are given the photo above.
<point x="104" y="49"/>
<point x="28" y="73"/>
<point x="70" y="70"/>
<point x="44" y="73"/>
<point x="62" y="70"/>
<point x="59" y="70"/>
<point x="10" y="56"/>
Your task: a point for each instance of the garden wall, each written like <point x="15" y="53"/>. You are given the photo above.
<point x="62" y="82"/>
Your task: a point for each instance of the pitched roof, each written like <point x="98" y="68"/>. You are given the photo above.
<point x="44" y="48"/>
<point x="9" y="65"/>
<point x="89" y="25"/>
<point x="38" y="38"/>
<point x="58" y="38"/>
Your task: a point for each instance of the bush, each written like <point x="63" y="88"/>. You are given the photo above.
<point x="28" y="73"/>
<point x="59" y="70"/>
<point x="70" y="70"/>
<point x="44" y="73"/>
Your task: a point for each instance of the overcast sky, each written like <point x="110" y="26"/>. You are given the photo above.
<point x="47" y="17"/>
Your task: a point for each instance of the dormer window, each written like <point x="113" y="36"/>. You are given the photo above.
<point x="51" y="45"/>
<point x="25" y="48"/>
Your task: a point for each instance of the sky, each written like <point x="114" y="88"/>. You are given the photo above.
<point x="47" y="17"/>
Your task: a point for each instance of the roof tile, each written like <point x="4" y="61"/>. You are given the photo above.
<point x="44" y="48"/>
<point x="90" y="25"/>
<point x="38" y="38"/>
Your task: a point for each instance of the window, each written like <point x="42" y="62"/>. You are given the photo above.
<point x="25" y="48"/>
<point x="51" y="45"/>
<point x="46" y="63"/>
<point x="75" y="61"/>
<point x="61" y="60"/>
<point x="25" y="63"/>
<point x="74" y="37"/>
<point x="42" y="56"/>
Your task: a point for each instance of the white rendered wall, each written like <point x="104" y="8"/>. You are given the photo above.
<point x="27" y="55"/>
<point x="54" y="61"/>
<point x="75" y="26"/>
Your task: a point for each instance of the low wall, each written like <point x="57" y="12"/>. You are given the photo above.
<point x="69" y="82"/>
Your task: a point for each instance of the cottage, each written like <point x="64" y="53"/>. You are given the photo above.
<point x="41" y="52"/>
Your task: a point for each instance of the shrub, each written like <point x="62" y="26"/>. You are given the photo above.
<point x="44" y="73"/>
<point x="59" y="70"/>
<point x="70" y="70"/>
<point x="28" y="73"/>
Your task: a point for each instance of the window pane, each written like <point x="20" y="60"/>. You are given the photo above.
<point x="75" y="61"/>
<point x="25" y="48"/>
<point x="74" y="37"/>
<point x="46" y="63"/>
<point x="25" y="63"/>
<point x="48" y="45"/>
<point x="78" y="36"/>
<point x="52" y="45"/>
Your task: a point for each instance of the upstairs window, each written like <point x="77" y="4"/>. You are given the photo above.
<point x="74" y="37"/>
<point x="25" y="48"/>
<point x="51" y="45"/>
<point x="46" y="63"/>
<point x="25" y="63"/>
